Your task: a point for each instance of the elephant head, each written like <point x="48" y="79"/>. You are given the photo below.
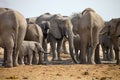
<point x="45" y="25"/>
<point x="74" y="19"/>
<point x="112" y="27"/>
<point x="61" y="27"/>
<point x="39" y="48"/>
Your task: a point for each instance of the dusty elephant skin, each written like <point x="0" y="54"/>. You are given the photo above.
<point x="113" y="30"/>
<point x="30" y="50"/>
<point x="59" y="27"/>
<point x="89" y="26"/>
<point x="34" y="33"/>
<point x="107" y="47"/>
<point x="12" y="31"/>
<point x="45" y="26"/>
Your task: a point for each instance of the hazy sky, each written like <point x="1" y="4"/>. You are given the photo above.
<point x="30" y="8"/>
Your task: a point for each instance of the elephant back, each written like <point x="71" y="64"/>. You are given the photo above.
<point x="34" y="33"/>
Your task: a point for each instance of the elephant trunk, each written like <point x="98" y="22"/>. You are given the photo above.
<point x="44" y="52"/>
<point x="70" y="40"/>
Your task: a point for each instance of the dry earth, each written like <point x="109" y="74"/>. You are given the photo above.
<point x="64" y="70"/>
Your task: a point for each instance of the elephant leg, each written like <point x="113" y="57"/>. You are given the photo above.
<point x="59" y="44"/>
<point x="117" y="49"/>
<point x="97" y="54"/>
<point x="83" y="52"/>
<point x="9" y="60"/>
<point x="45" y="48"/>
<point x="112" y="57"/>
<point x="92" y="54"/>
<point x="117" y="54"/>
<point x="53" y="47"/>
<point x="104" y="53"/>
<point x="21" y="60"/>
<point x="64" y="50"/>
<point x="40" y="58"/>
<point x="30" y="60"/>
<point x="5" y="57"/>
<point x="77" y="54"/>
<point x="30" y="57"/>
<point x="35" y="60"/>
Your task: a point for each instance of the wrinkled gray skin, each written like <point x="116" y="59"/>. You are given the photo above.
<point x="45" y="26"/>
<point x="113" y="30"/>
<point x="60" y="27"/>
<point x="34" y="33"/>
<point x="74" y="19"/>
<point x="30" y="49"/>
<point x="12" y="32"/>
<point x="107" y="47"/>
<point x="77" y="46"/>
<point x="89" y="26"/>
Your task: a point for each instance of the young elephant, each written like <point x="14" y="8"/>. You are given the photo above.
<point x="30" y="49"/>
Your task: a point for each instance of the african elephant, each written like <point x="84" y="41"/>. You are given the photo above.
<point x="107" y="47"/>
<point x="113" y="30"/>
<point x="30" y="49"/>
<point x="12" y="32"/>
<point x="77" y="46"/>
<point x="59" y="27"/>
<point x="34" y="33"/>
<point x="74" y="19"/>
<point x="89" y="27"/>
<point x="45" y="26"/>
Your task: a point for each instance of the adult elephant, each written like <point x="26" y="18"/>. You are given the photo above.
<point x="113" y="30"/>
<point x="89" y="26"/>
<point x="74" y="19"/>
<point x="34" y="33"/>
<point x="12" y="32"/>
<point x="107" y="47"/>
<point x="60" y="27"/>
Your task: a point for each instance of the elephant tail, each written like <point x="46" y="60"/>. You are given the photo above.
<point x="91" y="32"/>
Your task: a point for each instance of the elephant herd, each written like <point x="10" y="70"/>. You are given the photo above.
<point x="25" y="39"/>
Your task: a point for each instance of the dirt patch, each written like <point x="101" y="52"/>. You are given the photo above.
<point x="64" y="70"/>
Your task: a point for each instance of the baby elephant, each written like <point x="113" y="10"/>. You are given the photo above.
<point x="30" y="50"/>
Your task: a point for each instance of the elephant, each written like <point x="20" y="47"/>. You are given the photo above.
<point x="89" y="27"/>
<point x="107" y="47"/>
<point x="113" y="30"/>
<point x="74" y="19"/>
<point x="45" y="26"/>
<point x="12" y="32"/>
<point x="30" y="49"/>
<point x="77" y="46"/>
<point x="34" y="33"/>
<point x="59" y="27"/>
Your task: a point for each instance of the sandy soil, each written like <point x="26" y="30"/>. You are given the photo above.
<point x="64" y="70"/>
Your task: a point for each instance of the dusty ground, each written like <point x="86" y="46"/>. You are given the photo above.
<point x="64" y="70"/>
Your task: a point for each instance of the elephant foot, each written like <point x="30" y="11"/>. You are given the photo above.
<point x="9" y="65"/>
<point x="65" y="52"/>
<point x="15" y="65"/>
<point x="91" y="62"/>
<point x="118" y="62"/>
<point x="59" y="59"/>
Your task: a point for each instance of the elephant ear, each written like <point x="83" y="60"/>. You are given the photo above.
<point x="115" y="27"/>
<point x="55" y="30"/>
<point x="105" y="29"/>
